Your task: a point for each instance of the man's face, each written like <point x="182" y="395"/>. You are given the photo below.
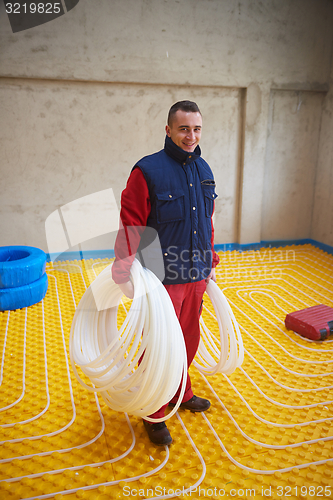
<point x="185" y="130"/>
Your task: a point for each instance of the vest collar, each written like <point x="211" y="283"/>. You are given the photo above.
<point x="178" y="153"/>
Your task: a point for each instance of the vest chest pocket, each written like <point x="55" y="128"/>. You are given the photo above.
<point x="210" y="196"/>
<point x="170" y="206"/>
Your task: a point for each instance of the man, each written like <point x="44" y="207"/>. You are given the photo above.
<point x="173" y="192"/>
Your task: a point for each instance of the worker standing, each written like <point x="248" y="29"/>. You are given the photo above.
<point x="173" y="192"/>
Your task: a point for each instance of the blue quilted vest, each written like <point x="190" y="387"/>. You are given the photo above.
<point x="182" y="193"/>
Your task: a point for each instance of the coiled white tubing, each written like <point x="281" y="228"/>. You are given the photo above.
<point x="225" y="349"/>
<point x="109" y="357"/>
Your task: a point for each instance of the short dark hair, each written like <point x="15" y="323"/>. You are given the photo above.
<point x="187" y="106"/>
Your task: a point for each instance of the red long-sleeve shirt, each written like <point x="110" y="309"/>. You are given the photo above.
<point x="135" y="210"/>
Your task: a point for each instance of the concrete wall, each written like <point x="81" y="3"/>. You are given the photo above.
<point x="291" y="161"/>
<point x="84" y="96"/>
<point x="322" y="219"/>
<point x="78" y="138"/>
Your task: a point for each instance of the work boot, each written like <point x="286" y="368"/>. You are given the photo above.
<point x="194" y="404"/>
<point x="158" y="433"/>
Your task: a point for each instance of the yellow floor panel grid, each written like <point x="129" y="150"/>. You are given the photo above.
<point x="268" y="433"/>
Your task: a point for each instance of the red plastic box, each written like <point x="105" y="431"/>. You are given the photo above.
<point x="315" y="323"/>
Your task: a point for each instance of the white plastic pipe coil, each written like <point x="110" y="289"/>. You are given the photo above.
<point x="225" y="348"/>
<point x="109" y="358"/>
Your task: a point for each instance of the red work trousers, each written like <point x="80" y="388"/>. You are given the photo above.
<point x="187" y="300"/>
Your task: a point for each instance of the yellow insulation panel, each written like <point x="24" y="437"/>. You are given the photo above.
<point x="268" y="433"/>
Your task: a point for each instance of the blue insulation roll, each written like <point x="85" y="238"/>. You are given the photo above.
<point x="20" y="265"/>
<point x="23" y="296"/>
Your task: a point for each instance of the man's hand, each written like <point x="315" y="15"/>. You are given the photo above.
<point x="211" y="276"/>
<point x="127" y="289"/>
